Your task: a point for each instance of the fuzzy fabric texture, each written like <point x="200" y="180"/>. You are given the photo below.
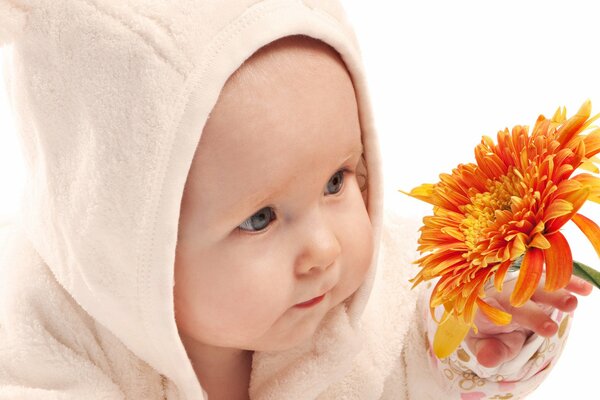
<point x="373" y="368"/>
<point x="12" y="20"/>
<point x="54" y="349"/>
<point x="110" y="100"/>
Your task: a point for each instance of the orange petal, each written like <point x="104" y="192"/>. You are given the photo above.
<point x="454" y="232"/>
<point x="495" y="315"/>
<point x="500" y="274"/>
<point x="590" y="229"/>
<point x="592" y="143"/>
<point x="529" y="277"/>
<point x="558" y="208"/>
<point x="559" y="262"/>
<point x="452" y="262"/>
<point x="541" y="124"/>
<point x="449" y="335"/>
<point x="577" y="199"/>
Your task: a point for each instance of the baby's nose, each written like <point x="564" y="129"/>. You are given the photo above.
<point x="319" y="244"/>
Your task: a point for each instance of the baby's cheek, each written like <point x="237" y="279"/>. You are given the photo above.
<point x="258" y="296"/>
<point x="364" y="246"/>
<point x="361" y="233"/>
<point x="358" y="246"/>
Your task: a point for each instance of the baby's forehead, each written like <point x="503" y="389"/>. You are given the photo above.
<point x="290" y="86"/>
<point x="290" y="107"/>
<point x="289" y="58"/>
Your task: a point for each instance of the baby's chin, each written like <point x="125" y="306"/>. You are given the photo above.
<point x="300" y="335"/>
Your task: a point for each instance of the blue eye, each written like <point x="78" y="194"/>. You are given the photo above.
<point x="336" y="182"/>
<point x="259" y="221"/>
<point x="263" y="217"/>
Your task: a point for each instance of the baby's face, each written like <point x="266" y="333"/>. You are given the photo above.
<point x="273" y="215"/>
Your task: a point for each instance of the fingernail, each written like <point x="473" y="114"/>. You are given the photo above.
<point x="478" y="345"/>
<point x="583" y="283"/>
<point x="571" y="302"/>
<point x="549" y="327"/>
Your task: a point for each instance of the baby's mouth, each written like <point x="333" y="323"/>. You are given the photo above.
<point x="311" y="302"/>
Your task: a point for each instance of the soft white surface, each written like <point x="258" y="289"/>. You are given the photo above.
<point x="442" y="74"/>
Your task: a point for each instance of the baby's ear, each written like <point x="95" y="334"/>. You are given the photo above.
<point x="13" y="14"/>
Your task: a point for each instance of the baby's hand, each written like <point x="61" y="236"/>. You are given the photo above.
<point x="495" y="344"/>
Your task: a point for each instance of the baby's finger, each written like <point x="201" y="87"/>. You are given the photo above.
<point x="531" y="316"/>
<point x="579" y="286"/>
<point x="493" y="350"/>
<point x="489" y="351"/>
<point x="560" y="299"/>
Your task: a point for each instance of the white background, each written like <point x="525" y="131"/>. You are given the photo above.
<point x="442" y="74"/>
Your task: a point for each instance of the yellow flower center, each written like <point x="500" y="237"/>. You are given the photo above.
<point x="480" y="213"/>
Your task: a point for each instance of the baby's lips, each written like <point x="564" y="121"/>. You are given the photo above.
<point x="311" y="302"/>
<point x="316" y="299"/>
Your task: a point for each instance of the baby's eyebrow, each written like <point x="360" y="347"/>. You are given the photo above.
<point x="360" y="149"/>
<point x="258" y="198"/>
<point x="357" y="150"/>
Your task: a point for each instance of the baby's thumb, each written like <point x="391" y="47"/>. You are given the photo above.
<point x="13" y="14"/>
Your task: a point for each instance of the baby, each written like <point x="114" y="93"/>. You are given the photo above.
<point x="203" y="218"/>
<point x="274" y="229"/>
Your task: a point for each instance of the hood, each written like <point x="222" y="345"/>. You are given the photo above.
<point x="110" y="98"/>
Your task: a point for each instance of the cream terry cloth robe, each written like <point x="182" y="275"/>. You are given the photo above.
<point x="110" y="98"/>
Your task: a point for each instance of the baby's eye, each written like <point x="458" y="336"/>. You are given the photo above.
<point x="336" y="182"/>
<point x="258" y="221"/>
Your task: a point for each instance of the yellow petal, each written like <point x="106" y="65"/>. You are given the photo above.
<point x="517" y="246"/>
<point x="588" y="123"/>
<point x="495" y="315"/>
<point x="588" y="165"/>
<point x="560" y="115"/>
<point x="592" y="143"/>
<point x="573" y="125"/>
<point x="539" y="241"/>
<point x="593" y="182"/>
<point x="423" y="192"/>
<point x="449" y="335"/>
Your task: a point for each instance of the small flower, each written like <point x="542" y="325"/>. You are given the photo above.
<point x="509" y="205"/>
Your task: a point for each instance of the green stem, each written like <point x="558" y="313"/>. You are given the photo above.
<point x="587" y="273"/>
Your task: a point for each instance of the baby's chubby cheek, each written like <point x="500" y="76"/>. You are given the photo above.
<point x="357" y="256"/>
<point x="230" y="312"/>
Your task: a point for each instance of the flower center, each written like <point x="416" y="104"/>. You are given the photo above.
<point x="480" y="213"/>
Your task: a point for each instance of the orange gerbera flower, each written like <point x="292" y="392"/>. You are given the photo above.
<point x="509" y="205"/>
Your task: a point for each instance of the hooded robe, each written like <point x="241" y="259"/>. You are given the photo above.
<point x="110" y="98"/>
